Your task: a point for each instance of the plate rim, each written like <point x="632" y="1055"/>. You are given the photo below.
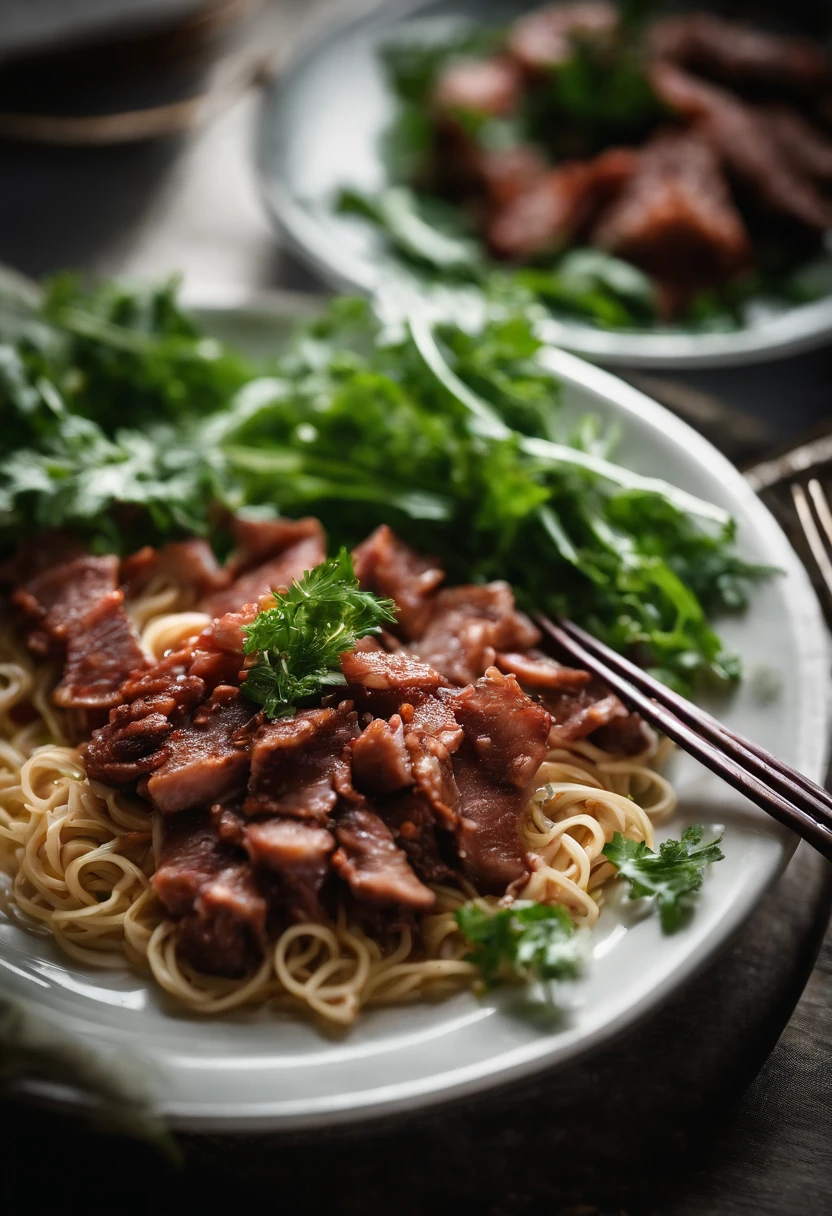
<point x="795" y="331"/>
<point x="514" y="1066"/>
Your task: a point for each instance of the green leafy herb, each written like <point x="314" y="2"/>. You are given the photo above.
<point x="426" y="231"/>
<point x="298" y="642"/>
<point x="526" y="941"/>
<point x="673" y="875"/>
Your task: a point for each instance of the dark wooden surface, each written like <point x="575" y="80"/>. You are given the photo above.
<point x="720" y="1103"/>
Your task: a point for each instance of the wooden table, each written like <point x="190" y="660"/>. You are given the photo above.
<point x="721" y="1101"/>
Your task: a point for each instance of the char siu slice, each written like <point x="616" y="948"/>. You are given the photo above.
<point x="207" y="757"/>
<point x="211" y="890"/>
<point x="506" y="740"/>
<point x="413" y="824"/>
<point x="577" y="715"/>
<point x="188" y="564"/>
<point x="56" y="600"/>
<point x="489" y="88"/>
<point x="388" y="567"/>
<point x="380" y="759"/>
<point x="298" y="765"/>
<point x="748" y="150"/>
<point x="302" y="547"/>
<point x="377" y="673"/>
<point x="376" y="870"/>
<point x="546" y="37"/>
<point x="298" y="852"/>
<point x="537" y="671"/>
<point x="102" y="651"/>
<point x="676" y="219"/>
<point x="218" y="651"/>
<point x="741" y="56"/>
<point x="469" y="626"/>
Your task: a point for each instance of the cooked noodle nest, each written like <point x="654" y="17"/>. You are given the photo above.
<point x="80" y="858"/>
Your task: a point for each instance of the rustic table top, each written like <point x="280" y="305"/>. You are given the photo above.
<point x="720" y="1102"/>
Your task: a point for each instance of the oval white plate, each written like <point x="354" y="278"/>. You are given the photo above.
<point x="320" y="130"/>
<point x="267" y="1070"/>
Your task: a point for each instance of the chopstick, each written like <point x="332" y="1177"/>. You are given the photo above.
<point x="781" y="791"/>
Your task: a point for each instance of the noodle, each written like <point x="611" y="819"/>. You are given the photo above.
<point x="81" y="857"/>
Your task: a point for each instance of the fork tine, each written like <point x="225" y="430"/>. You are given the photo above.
<point x="810" y="527"/>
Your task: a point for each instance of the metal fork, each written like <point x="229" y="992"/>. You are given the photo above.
<point x="792" y="486"/>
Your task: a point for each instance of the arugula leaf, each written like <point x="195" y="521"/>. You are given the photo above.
<point x="673" y="875"/>
<point x="526" y="941"/>
<point x="298" y="642"/>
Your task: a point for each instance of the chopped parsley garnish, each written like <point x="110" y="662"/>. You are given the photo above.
<point x="526" y="941"/>
<point x="673" y="875"/>
<point x="298" y="642"/>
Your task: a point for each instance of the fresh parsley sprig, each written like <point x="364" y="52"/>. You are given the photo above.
<point x="298" y="642"/>
<point x="673" y="875"/>
<point x="526" y="941"/>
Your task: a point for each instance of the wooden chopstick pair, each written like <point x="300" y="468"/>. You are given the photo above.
<point x="776" y="788"/>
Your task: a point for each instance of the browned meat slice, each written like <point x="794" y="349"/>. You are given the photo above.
<point x="306" y="548"/>
<point x="258" y="540"/>
<point x="388" y="567"/>
<point x="625" y="736"/>
<point x="803" y="145"/>
<point x="207" y="758"/>
<point x="469" y="626"/>
<point x="413" y="824"/>
<point x="211" y="890"/>
<point x="380" y="759"/>
<point x="546" y="37"/>
<point x="378" y="671"/>
<point x="509" y="172"/>
<point x="577" y="714"/>
<point x="536" y="671"/>
<point x="55" y="547"/>
<point x="298" y="851"/>
<point x="544" y="217"/>
<point x="740" y="55"/>
<point x="676" y="219"/>
<point x="486" y="87"/>
<point x="218" y="651"/>
<point x="299" y="765"/>
<point x="57" y="599"/>
<point x="506" y="741"/>
<point x="102" y="651"/>
<point x="555" y="208"/>
<point x="747" y="148"/>
<point x="188" y="564"/>
<point x="376" y="870"/>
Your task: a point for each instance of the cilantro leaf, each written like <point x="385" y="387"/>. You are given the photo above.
<point x="526" y="941"/>
<point x="298" y="642"/>
<point x="673" y="875"/>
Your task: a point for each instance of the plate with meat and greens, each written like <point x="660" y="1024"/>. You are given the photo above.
<point x="300" y="822"/>
<point x="656" y="185"/>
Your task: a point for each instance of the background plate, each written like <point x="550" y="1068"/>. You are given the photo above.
<point x="267" y="1070"/>
<point x="320" y="129"/>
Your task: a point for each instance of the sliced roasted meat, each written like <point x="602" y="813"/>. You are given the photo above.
<point x="546" y="38"/>
<point x="577" y="714"/>
<point x="485" y="87"/>
<point x="207" y="757"/>
<point x="469" y="626"/>
<point x="380" y="759"/>
<point x="543" y="218"/>
<point x="433" y="775"/>
<point x="376" y="870"/>
<point x="189" y="565"/>
<point x="413" y="824"/>
<point x="102" y="650"/>
<point x="536" y="671"/>
<point x="749" y="151"/>
<point x="506" y="740"/>
<point x="376" y="671"/>
<point x="218" y="651"/>
<point x="676" y="219"/>
<point x="299" y="765"/>
<point x="259" y="540"/>
<point x="304" y="548"/>
<point x="741" y="56"/>
<point x="211" y="890"/>
<point x="388" y="567"/>
<point x="507" y="173"/>
<point x="298" y="852"/>
<point x="55" y="600"/>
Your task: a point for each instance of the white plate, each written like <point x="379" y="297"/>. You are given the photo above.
<point x="320" y="130"/>
<point x="267" y="1070"/>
